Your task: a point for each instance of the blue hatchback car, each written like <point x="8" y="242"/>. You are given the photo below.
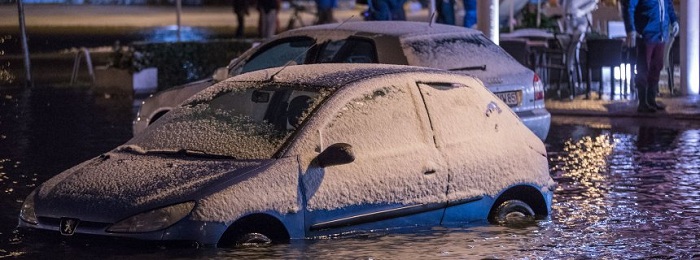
<point x="308" y="151"/>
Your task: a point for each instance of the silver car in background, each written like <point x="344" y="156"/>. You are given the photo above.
<point x="389" y="42"/>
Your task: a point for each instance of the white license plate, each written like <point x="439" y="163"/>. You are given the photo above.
<point x="511" y="98"/>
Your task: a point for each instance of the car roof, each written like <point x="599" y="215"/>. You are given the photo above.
<point x="329" y="74"/>
<point x="399" y="29"/>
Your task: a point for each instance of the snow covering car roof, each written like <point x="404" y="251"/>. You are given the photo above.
<point x="403" y="29"/>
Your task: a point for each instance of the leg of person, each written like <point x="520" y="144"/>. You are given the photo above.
<point x="643" y="57"/>
<point x="655" y="65"/>
<point x="382" y="10"/>
<point x="269" y="23"/>
<point x="448" y="12"/>
<point x="469" y="13"/>
<point x="241" y="24"/>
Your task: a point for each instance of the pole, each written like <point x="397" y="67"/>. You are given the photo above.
<point x="539" y="13"/>
<point x="487" y="19"/>
<point x="511" y="16"/>
<point x="431" y="9"/>
<point x="25" y="47"/>
<point x="178" y="4"/>
<point x="690" y="47"/>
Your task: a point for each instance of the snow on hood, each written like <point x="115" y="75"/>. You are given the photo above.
<point x="117" y="184"/>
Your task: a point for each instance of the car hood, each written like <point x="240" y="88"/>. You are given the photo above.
<point x="117" y="185"/>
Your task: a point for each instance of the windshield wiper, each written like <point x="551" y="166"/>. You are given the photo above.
<point x="180" y="152"/>
<point x="481" y="67"/>
<point x="188" y="152"/>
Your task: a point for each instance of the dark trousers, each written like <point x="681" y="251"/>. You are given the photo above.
<point x="240" y="18"/>
<point x="650" y="62"/>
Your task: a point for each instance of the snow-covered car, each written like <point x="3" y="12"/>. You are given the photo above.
<point x="308" y="151"/>
<point x="389" y="42"/>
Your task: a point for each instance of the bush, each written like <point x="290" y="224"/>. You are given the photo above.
<point x="179" y="62"/>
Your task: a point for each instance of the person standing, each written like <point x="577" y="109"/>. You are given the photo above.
<point x="240" y="8"/>
<point x="445" y="11"/>
<point x="651" y="20"/>
<point x="388" y="10"/>
<point x="324" y="11"/>
<point x="268" y="17"/>
<point x="469" y="13"/>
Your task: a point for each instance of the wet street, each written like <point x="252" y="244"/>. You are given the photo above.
<point x="627" y="188"/>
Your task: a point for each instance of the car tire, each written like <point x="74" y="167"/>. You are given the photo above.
<point x="253" y="239"/>
<point x="513" y="212"/>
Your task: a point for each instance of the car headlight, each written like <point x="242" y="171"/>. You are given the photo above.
<point x="27" y="213"/>
<point x="153" y="220"/>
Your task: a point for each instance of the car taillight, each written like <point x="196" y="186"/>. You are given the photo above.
<point x="538" y="87"/>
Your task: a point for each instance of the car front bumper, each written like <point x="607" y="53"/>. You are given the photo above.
<point x="195" y="233"/>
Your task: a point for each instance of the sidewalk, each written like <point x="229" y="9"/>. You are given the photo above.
<point x="129" y="19"/>
<point x="140" y="17"/>
<point x="678" y="107"/>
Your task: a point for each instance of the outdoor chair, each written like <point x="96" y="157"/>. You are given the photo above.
<point x="603" y="53"/>
<point x="563" y="58"/>
<point x="519" y="49"/>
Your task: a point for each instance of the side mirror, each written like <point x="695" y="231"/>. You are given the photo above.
<point x="336" y="154"/>
<point x="220" y="74"/>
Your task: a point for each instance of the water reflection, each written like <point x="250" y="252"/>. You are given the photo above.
<point x="630" y="192"/>
<point x="170" y="34"/>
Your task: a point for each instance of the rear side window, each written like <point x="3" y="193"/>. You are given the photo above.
<point x="292" y="51"/>
<point x="351" y="50"/>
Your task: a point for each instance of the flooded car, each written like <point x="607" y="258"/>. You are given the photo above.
<point x="439" y="46"/>
<point x="307" y="151"/>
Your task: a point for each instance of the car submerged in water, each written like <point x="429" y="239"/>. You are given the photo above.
<point x="308" y="151"/>
<point x="439" y="46"/>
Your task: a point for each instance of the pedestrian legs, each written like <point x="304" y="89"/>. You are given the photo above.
<point x="649" y="65"/>
<point x="268" y="23"/>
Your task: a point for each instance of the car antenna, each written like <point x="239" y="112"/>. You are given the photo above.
<point x="291" y="62"/>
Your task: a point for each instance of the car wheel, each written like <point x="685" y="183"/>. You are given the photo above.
<point x="253" y="239"/>
<point x="513" y="212"/>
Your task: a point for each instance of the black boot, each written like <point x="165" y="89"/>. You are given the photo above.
<point x="644" y="92"/>
<point x="653" y="91"/>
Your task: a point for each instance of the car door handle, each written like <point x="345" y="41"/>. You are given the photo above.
<point x="428" y="172"/>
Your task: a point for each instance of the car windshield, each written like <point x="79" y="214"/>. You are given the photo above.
<point x="239" y="120"/>
<point x="468" y="52"/>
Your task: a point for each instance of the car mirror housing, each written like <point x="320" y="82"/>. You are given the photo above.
<point x="220" y="74"/>
<point x="336" y="154"/>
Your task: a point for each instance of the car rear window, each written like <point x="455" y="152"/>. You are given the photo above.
<point x="459" y="52"/>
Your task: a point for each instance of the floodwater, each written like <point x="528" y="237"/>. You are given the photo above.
<point x="627" y="188"/>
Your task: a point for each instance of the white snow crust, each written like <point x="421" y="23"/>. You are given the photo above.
<point x="273" y="190"/>
<point x="125" y="181"/>
<point x="453" y="51"/>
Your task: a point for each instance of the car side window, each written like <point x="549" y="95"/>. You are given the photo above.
<point x="453" y="111"/>
<point x="350" y="50"/>
<point x="382" y="120"/>
<point x="292" y="51"/>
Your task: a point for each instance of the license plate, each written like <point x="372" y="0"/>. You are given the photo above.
<point x="511" y="98"/>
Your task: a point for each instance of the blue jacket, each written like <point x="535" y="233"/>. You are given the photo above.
<point x="649" y="18"/>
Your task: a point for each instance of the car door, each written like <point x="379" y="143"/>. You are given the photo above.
<point x="397" y="178"/>
<point x="461" y="136"/>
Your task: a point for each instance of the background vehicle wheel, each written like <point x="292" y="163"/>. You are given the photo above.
<point x="513" y="212"/>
